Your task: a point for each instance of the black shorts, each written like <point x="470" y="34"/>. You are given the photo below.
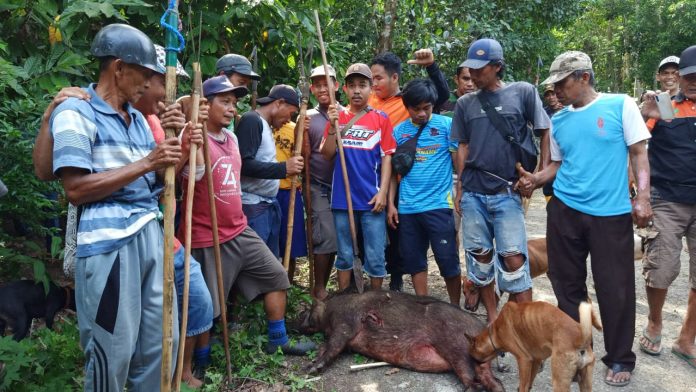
<point x="434" y="228"/>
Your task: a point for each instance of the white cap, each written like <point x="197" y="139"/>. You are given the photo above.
<point x="319" y="71"/>
<point x="668" y="60"/>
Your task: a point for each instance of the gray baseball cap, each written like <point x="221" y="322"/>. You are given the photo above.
<point x="235" y="63"/>
<point x="567" y="63"/>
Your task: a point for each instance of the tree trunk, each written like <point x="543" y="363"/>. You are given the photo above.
<point x="385" y="37"/>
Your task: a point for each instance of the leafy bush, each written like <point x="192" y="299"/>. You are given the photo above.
<point x="247" y="344"/>
<point x="49" y="361"/>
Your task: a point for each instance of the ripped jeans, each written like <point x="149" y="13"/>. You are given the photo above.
<point x="495" y="223"/>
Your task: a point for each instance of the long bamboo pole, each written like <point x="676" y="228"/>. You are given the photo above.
<point x="357" y="264"/>
<point x="308" y="221"/>
<point x="195" y="102"/>
<point x="216" y="250"/>
<point x="169" y="205"/>
<point x="294" y="183"/>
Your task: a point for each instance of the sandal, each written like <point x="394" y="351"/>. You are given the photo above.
<point x="656" y="342"/>
<point x="688" y="358"/>
<point x="615" y="369"/>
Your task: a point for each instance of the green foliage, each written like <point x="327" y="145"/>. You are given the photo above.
<point x="48" y="361"/>
<point x="627" y="40"/>
<point x="249" y="362"/>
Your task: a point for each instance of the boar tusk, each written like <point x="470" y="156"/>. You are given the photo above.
<point x="355" y="368"/>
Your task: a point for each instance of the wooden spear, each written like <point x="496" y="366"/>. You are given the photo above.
<point x="308" y="221"/>
<point x="357" y="264"/>
<point x="216" y="250"/>
<point x="171" y="41"/>
<point x="295" y="181"/>
<point x="195" y="102"/>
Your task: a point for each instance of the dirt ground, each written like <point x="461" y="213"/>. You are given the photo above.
<point x="663" y="373"/>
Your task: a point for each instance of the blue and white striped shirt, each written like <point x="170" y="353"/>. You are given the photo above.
<point x="91" y="135"/>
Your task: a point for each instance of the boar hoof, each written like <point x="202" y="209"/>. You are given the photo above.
<point x="314" y="368"/>
<point x="501" y="367"/>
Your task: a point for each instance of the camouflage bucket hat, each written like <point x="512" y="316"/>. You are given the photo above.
<point x="161" y="56"/>
<point x="567" y="63"/>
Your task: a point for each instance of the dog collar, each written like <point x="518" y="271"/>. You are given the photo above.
<point x="490" y="338"/>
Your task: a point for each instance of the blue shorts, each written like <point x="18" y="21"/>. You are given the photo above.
<point x="434" y="228"/>
<point x="374" y="233"/>
<point x="200" y="306"/>
<point x="299" y="238"/>
<point x="499" y="217"/>
<point x="264" y="219"/>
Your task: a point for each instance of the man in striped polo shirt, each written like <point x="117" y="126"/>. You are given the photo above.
<point x="106" y="157"/>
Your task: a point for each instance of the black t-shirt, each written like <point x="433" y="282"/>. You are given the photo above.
<point x="672" y="156"/>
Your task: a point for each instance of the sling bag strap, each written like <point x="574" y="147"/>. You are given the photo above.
<point x="499" y="123"/>
<point x="355" y="119"/>
<point x="420" y="130"/>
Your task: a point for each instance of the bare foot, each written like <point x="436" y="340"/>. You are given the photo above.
<point x="191" y="381"/>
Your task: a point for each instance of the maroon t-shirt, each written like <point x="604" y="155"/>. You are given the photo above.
<point x="226" y="166"/>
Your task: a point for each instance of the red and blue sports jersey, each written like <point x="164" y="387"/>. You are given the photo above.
<point x="364" y="144"/>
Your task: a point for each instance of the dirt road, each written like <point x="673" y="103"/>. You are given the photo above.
<point x="663" y="373"/>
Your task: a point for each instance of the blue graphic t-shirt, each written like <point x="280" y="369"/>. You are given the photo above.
<point x="428" y="186"/>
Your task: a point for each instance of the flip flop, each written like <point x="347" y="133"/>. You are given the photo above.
<point x="689" y="359"/>
<point x="654" y="341"/>
<point x="617" y="368"/>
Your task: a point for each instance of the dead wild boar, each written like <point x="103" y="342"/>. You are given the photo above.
<point x="418" y="333"/>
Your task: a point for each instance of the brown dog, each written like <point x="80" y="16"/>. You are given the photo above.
<point x="538" y="264"/>
<point x="534" y="331"/>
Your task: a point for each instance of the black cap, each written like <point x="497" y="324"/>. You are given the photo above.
<point x="281" y="91"/>
<point x="235" y="63"/>
<point x="687" y="61"/>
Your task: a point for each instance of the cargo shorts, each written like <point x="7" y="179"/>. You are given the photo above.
<point x="661" y="262"/>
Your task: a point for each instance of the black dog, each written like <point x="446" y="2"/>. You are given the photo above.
<point x="23" y="300"/>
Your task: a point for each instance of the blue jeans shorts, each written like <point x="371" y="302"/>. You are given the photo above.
<point x="264" y="219"/>
<point x="374" y="233"/>
<point x="498" y="217"/>
<point x="200" y="306"/>
<point x="434" y="228"/>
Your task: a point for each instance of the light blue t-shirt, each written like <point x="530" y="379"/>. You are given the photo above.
<point x="428" y="186"/>
<point x="591" y="142"/>
<point x="91" y="135"/>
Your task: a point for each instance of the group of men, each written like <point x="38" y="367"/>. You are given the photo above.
<point x="107" y="146"/>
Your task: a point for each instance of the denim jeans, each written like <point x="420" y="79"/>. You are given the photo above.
<point x="374" y="230"/>
<point x="200" y="306"/>
<point x="264" y="219"/>
<point x="498" y="217"/>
